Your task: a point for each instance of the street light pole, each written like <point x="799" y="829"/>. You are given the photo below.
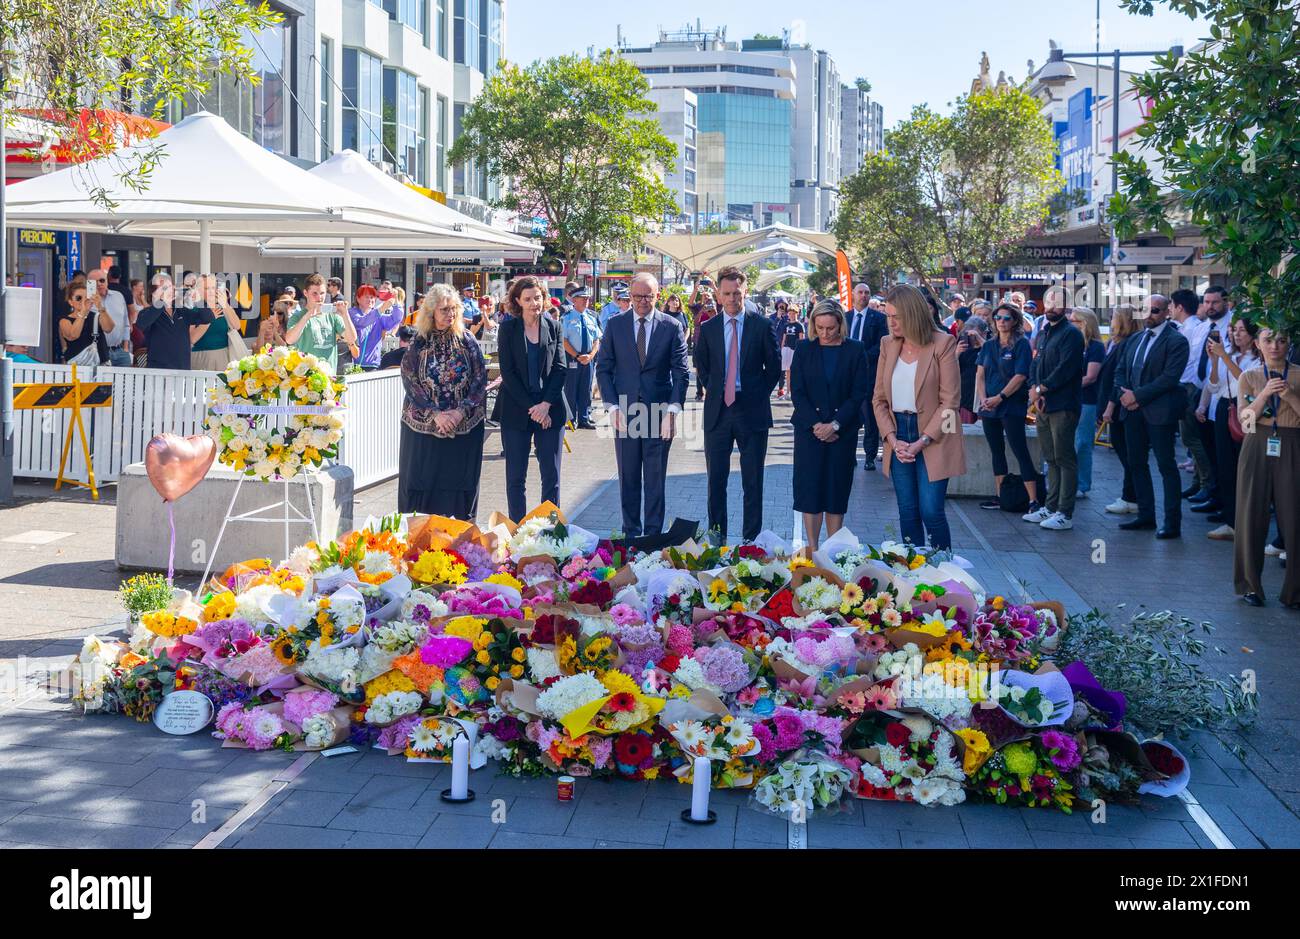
<point x="1059" y="55"/>
<point x="6" y="370"/>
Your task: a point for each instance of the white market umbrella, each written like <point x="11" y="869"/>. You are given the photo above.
<point x="211" y="183"/>
<point x="768" y="278"/>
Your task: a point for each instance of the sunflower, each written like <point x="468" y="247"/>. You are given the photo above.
<point x="283" y="651"/>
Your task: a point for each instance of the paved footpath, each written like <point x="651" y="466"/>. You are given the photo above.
<point x="105" y="781"/>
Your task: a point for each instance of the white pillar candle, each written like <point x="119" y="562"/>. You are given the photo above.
<point x="700" y="790"/>
<point x="460" y="768"/>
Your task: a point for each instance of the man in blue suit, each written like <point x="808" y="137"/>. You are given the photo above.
<point x="738" y="366"/>
<point x="642" y="373"/>
<point x="868" y="327"/>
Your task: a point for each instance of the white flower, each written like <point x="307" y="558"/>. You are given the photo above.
<point x="542" y="664"/>
<point x="691" y="674"/>
<point x="268" y="725"/>
<point x="423" y="738"/>
<point x="318" y="730"/>
<point x="739" y="733"/>
<point x="693" y="736"/>
<point x="817" y="593"/>
<point x="568" y="694"/>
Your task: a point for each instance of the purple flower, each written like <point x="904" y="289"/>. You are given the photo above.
<point x="506" y="729"/>
<point x="766" y="745"/>
<point x="445" y="651"/>
<point x="1065" y="755"/>
<point x="724" y="666"/>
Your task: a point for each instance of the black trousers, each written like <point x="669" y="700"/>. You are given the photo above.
<point x="1143" y="439"/>
<point x="518" y="445"/>
<point x="1013" y="428"/>
<point x="642" y="460"/>
<point x="1119" y="442"/>
<point x="870" y="432"/>
<point x="731" y="431"/>
<point x="1226" y="453"/>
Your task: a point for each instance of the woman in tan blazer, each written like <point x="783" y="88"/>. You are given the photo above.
<point x="917" y="406"/>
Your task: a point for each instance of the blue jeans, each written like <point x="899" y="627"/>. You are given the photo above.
<point x="1083" y="437"/>
<point x="920" y="501"/>
<point x="120" y="358"/>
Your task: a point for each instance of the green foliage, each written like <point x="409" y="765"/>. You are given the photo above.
<point x="145" y="593"/>
<point x="1156" y="661"/>
<point x="59" y="56"/>
<point x="862" y="85"/>
<point x="966" y="187"/>
<point x="1225" y="130"/>
<point x="566" y="132"/>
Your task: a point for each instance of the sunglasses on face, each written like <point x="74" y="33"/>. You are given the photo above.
<point x="1004" y="319"/>
<point x="78" y="297"/>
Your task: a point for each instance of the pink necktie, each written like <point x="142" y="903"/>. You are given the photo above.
<point x="733" y="357"/>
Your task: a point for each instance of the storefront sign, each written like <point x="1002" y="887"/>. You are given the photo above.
<point x="36" y="238"/>
<point x="1065" y="254"/>
<point x="1168" y="254"/>
<point x="73" y="253"/>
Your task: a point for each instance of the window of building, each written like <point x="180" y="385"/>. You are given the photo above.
<point x="690" y="179"/>
<point x="401" y="122"/>
<point x="467" y="31"/>
<point x="363" y="104"/>
<point x="690" y="114"/>
<point x="422" y="141"/>
<point x="683" y="69"/>
<point x="654" y="70"/>
<point x="690" y="135"/>
<point x="490" y="39"/>
<point x="460" y="170"/>
<point x="326" y="98"/>
<point x="690" y="157"/>
<point x="410" y="13"/>
<point x="747" y="70"/>
<point x="440" y="157"/>
<point x="440" y="28"/>
<point x="264" y="111"/>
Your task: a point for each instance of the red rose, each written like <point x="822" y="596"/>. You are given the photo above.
<point x="752" y="551"/>
<point x="897" y="734"/>
<point x="669" y="663"/>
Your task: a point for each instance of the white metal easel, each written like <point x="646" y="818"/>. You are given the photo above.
<point x="290" y="514"/>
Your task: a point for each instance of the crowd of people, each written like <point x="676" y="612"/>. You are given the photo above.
<point x="893" y="370"/>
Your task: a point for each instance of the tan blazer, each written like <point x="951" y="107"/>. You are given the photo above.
<point x="938" y="403"/>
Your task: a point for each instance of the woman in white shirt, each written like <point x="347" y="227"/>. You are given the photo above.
<point x="1218" y="400"/>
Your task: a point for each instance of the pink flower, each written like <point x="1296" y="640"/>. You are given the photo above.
<point x="625" y="615"/>
<point x="601" y="748"/>
<point x="680" y="641"/>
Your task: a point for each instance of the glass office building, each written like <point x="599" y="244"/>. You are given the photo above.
<point x="744" y="153"/>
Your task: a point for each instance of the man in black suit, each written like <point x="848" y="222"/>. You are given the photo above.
<point x="642" y="372"/>
<point x="1151" y="402"/>
<point x="738" y="367"/>
<point x="868" y="327"/>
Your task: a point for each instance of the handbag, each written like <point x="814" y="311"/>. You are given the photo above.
<point x="90" y="356"/>
<point x="1234" y="424"/>
<point x="236" y="348"/>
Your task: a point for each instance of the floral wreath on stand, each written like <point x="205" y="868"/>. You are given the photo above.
<point x="276" y="381"/>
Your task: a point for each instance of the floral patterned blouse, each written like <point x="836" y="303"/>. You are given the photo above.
<point x="444" y="373"/>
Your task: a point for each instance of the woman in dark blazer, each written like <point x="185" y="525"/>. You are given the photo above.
<point x="1122" y="326"/>
<point x="530" y="406"/>
<point x="828" y="386"/>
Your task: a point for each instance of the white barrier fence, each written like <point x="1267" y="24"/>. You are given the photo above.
<point x="147" y="402"/>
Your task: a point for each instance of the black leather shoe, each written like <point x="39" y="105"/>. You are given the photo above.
<point x="1253" y="599"/>
<point x="990" y="504"/>
<point x="1138" y="524"/>
<point x="1166" y="534"/>
<point x="869" y="466"/>
<point x="1201" y="495"/>
<point x="1210" y="506"/>
<point x="1191" y="490"/>
<point x="1217" y="518"/>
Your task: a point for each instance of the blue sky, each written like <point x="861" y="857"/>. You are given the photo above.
<point x="913" y="52"/>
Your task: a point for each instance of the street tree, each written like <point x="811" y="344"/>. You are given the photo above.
<point x="962" y="189"/>
<point x="77" y="66"/>
<point x="571" y="135"/>
<point x="1225" y="126"/>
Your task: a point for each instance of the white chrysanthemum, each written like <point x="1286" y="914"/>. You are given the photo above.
<point x="542" y="664"/>
<point x="568" y="694"/>
<point x="318" y="730"/>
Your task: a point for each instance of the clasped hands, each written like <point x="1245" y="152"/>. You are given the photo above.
<point x="541" y="413"/>
<point x="825" y="433"/>
<point x="907" y="452"/>
<point x="446" y="422"/>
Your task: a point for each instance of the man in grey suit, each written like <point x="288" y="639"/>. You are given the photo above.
<point x="1150" y="403"/>
<point x="642" y="373"/>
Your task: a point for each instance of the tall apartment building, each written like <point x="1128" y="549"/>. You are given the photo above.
<point x="678" y="116"/>
<point x="769" y="134"/>
<point x="745" y="109"/>
<point x="861" y="128"/>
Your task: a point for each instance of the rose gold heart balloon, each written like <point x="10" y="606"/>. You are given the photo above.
<point x="175" y="465"/>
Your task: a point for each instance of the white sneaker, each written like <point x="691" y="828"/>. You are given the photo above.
<point x="1272" y="551"/>
<point x="1057" y="522"/>
<point x="1120" y="507"/>
<point x="1222" y="533"/>
<point x="1038" y="516"/>
<point x="1081" y="494"/>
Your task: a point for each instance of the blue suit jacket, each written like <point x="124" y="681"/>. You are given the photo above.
<point x="622" y="378"/>
<point x="759" y="369"/>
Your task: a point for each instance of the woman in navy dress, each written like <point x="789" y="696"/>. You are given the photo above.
<point x="828" y="385"/>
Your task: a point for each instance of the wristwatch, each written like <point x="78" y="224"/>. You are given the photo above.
<point x="835" y="426"/>
<point x="926" y="440"/>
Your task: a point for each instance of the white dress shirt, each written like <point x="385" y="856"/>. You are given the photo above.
<point x="649" y="331"/>
<point x="1194" y="330"/>
<point x="121" y="331"/>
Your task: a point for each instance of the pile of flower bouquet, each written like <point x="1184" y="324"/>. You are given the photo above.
<point x="867" y="671"/>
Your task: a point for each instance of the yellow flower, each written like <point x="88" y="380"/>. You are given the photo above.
<point x="617" y="682"/>
<point x="483" y="658"/>
<point x="999" y="603"/>
<point x="917" y="562"/>
<point x="492" y="683"/>
<point x="505" y="580"/>
<point x="439" y="567"/>
<point x="221" y="606"/>
<point x="799" y="561"/>
<point x="483" y="641"/>
<point x="852" y="595"/>
<point x="466" y="627"/>
<point x="516" y="671"/>
<point x="977" y="749"/>
<point x="518" y="654"/>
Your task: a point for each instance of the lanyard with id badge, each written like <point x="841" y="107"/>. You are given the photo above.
<point x="1273" y="446"/>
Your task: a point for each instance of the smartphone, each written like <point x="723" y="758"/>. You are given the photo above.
<point x="385" y="295"/>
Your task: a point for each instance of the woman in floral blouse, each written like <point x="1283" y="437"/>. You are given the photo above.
<point x="445" y="378"/>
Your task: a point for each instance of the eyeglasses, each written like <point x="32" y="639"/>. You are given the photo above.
<point x="1005" y="319"/>
<point x="643" y="296"/>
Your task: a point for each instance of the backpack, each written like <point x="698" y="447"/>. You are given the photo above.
<point x="1012" y="494"/>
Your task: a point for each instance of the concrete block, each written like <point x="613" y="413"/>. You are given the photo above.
<point x="978" y="481"/>
<point x="142" y="532"/>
